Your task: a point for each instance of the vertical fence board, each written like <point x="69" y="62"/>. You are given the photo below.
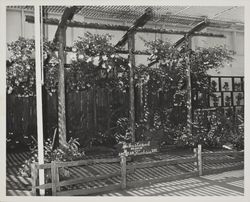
<point x="123" y="171"/>
<point x="21" y="112"/>
<point x="196" y="162"/>
<point x="199" y="156"/>
<point x="34" y="178"/>
<point x="54" y="177"/>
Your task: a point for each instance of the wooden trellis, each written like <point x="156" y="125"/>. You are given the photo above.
<point x="129" y="36"/>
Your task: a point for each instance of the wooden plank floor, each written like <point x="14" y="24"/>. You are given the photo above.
<point x="224" y="184"/>
<point x="21" y="186"/>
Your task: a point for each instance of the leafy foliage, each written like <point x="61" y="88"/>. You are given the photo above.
<point x="225" y="127"/>
<point x="96" y="64"/>
<point x="169" y="77"/>
<point x="21" y="68"/>
<point x="70" y="152"/>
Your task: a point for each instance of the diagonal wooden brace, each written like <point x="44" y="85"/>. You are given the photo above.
<point x="140" y="22"/>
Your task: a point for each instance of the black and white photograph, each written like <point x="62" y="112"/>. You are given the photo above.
<point x="125" y="100"/>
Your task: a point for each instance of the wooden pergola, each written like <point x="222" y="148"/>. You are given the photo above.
<point x="137" y="26"/>
<point x="128" y="37"/>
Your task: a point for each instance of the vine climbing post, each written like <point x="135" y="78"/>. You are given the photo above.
<point x="131" y="48"/>
<point x="189" y="88"/>
<point x="129" y="37"/>
<point x="60" y="38"/>
<point x="188" y="47"/>
<point x="61" y="88"/>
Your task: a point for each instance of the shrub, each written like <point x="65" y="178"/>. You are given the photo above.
<point x="70" y="152"/>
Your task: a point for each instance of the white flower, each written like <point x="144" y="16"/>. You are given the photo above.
<point x="74" y="49"/>
<point x="109" y="68"/>
<point x="89" y="59"/>
<point x="10" y="90"/>
<point x="96" y="61"/>
<point x="24" y="57"/>
<point x="45" y="55"/>
<point x="104" y="66"/>
<point x="73" y="57"/>
<point x="104" y="57"/>
<point x="81" y="56"/>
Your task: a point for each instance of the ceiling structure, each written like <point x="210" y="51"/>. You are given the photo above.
<point x="221" y="16"/>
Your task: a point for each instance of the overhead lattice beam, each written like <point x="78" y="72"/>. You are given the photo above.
<point x="200" y="26"/>
<point x="53" y="21"/>
<point x="140" y="22"/>
<point x="67" y="15"/>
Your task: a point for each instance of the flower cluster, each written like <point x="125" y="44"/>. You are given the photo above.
<point x="21" y="68"/>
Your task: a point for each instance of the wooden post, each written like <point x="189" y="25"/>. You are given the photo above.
<point x="34" y="178"/>
<point x="131" y="48"/>
<point x="196" y="162"/>
<point x="94" y="110"/>
<point x="61" y="88"/>
<point x="199" y="158"/>
<point x="189" y="89"/>
<point x="54" y="177"/>
<point x="123" y="171"/>
<point x="141" y="99"/>
<point x="60" y="37"/>
<point x="39" y="100"/>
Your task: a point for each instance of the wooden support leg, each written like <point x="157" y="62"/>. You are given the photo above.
<point x="34" y="178"/>
<point x="54" y="177"/>
<point x="199" y="156"/>
<point x="61" y="90"/>
<point x="123" y="171"/>
<point x="131" y="47"/>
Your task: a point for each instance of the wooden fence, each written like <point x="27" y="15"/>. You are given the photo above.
<point x="56" y="184"/>
<point x="199" y="159"/>
<point x="86" y="111"/>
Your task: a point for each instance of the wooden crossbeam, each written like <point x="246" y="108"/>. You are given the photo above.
<point x="53" y="21"/>
<point x="201" y="25"/>
<point x="67" y="15"/>
<point x="140" y="22"/>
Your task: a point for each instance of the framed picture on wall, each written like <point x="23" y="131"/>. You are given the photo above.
<point x="238" y="98"/>
<point x="226" y="84"/>
<point x="237" y="84"/>
<point x="227" y="99"/>
<point x="215" y="100"/>
<point x="214" y="84"/>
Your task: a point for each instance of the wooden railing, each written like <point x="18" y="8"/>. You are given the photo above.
<point x="165" y="162"/>
<point x="232" y="160"/>
<point x="199" y="160"/>
<point x="56" y="184"/>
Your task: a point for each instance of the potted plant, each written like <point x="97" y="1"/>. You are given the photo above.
<point x="227" y="100"/>
<point x="214" y="86"/>
<point x="239" y="97"/>
<point x="215" y="99"/>
<point x="226" y="86"/>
